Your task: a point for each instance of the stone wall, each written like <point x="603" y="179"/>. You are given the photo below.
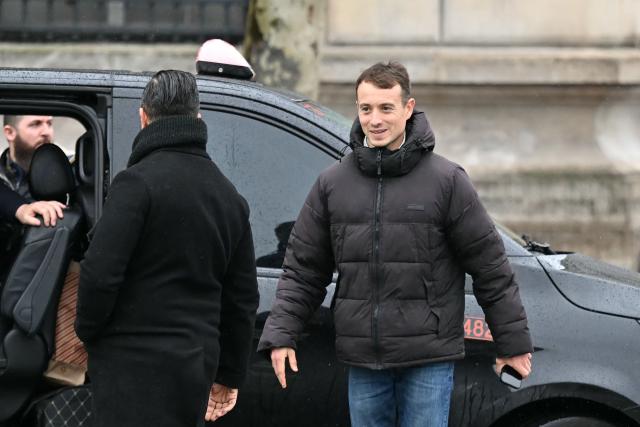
<point x="508" y="23"/>
<point x="593" y="212"/>
<point x="99" y="56"/>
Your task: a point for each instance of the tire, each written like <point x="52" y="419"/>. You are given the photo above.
<point x="568" y="421"/>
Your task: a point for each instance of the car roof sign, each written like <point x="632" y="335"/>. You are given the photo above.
<point x="219" y="58"/>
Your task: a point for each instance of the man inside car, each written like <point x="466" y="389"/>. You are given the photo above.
<point x="24" y="134"/>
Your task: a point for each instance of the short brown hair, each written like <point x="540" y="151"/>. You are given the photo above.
<point x="11" y="120"/>
<point x="386" y="76"/>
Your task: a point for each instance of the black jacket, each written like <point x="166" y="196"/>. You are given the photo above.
<point x="168" y="288"/>
<point x="10" y="201"/>
<point x="402" y="228"/>
<point x="12" y="194"/>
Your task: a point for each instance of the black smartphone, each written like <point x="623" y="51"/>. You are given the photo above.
<point x="510" y="377"/>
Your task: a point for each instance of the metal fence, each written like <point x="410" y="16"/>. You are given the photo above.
<point x="122" y="20"/>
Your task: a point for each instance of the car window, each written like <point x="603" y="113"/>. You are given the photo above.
<point x="273" y="167"/>
<point x="127" y="126"/>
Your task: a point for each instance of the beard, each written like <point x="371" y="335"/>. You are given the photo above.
<point x="23" y="152"/>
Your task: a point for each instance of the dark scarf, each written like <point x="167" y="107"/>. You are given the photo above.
<point x="419" y="140"/>
<point x="169" y="132"/>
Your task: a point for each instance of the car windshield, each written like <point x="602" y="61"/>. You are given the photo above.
<point x="510" y="233"/>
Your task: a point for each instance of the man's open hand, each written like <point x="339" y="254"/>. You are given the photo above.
<point x="278" y="360"/>
<point x="50" y="212"/>
<point x="222" y="399"/>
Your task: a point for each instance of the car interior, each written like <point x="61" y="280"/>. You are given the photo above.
<point x="30" y="288"/>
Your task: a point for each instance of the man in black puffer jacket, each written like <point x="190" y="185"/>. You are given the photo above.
<point x="168" y="289"/>
<point x="402" y="225"/>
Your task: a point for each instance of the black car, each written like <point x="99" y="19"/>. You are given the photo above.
<point x="583" y="314"/>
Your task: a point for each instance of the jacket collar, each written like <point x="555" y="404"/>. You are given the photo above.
<point x="10" y="172"/>
<point x="373" y="161"/>
<point x="180" y="132"/>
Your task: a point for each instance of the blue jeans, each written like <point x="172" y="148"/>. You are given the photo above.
<point x="401" y="397"/>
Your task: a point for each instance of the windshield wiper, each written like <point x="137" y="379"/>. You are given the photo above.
<point x="543" y="248"/>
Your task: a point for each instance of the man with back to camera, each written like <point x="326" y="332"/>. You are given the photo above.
<point x="402" y="225"/>
<point x="168" y="288"/>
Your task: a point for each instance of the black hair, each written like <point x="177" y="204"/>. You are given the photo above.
<point x="171" y="93"/>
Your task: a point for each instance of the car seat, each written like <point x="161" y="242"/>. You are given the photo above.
<point x="29" y="296"/>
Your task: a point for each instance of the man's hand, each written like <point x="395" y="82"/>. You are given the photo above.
<point x="50" y="212"/>
<point x="278" y="357"/>
<point x="521" y="363"/>
<point x="222" y="399"/>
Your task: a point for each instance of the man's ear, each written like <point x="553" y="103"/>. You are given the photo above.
<point x="9" y="133"/>
<point x="411" y="103"/>
<point x="144" y="119"/>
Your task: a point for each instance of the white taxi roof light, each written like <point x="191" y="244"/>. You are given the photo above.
<point x="219" y="58"/>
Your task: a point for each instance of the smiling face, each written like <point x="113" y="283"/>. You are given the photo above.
<point x="383" y="114"/>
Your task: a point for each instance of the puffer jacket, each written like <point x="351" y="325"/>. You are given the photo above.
<point x="402" y="228"/>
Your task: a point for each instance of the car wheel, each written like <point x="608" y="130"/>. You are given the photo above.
<point x="568" y="421"/>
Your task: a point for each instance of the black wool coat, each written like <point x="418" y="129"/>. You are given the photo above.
<point x="401" y="228"/>
<point x="168" y="289"/>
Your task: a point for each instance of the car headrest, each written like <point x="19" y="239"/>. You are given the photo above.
<point x="50" y="174"/>
<point x="85" y="158"/>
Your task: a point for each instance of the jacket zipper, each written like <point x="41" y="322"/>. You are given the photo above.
<point x="376" y="257"/>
